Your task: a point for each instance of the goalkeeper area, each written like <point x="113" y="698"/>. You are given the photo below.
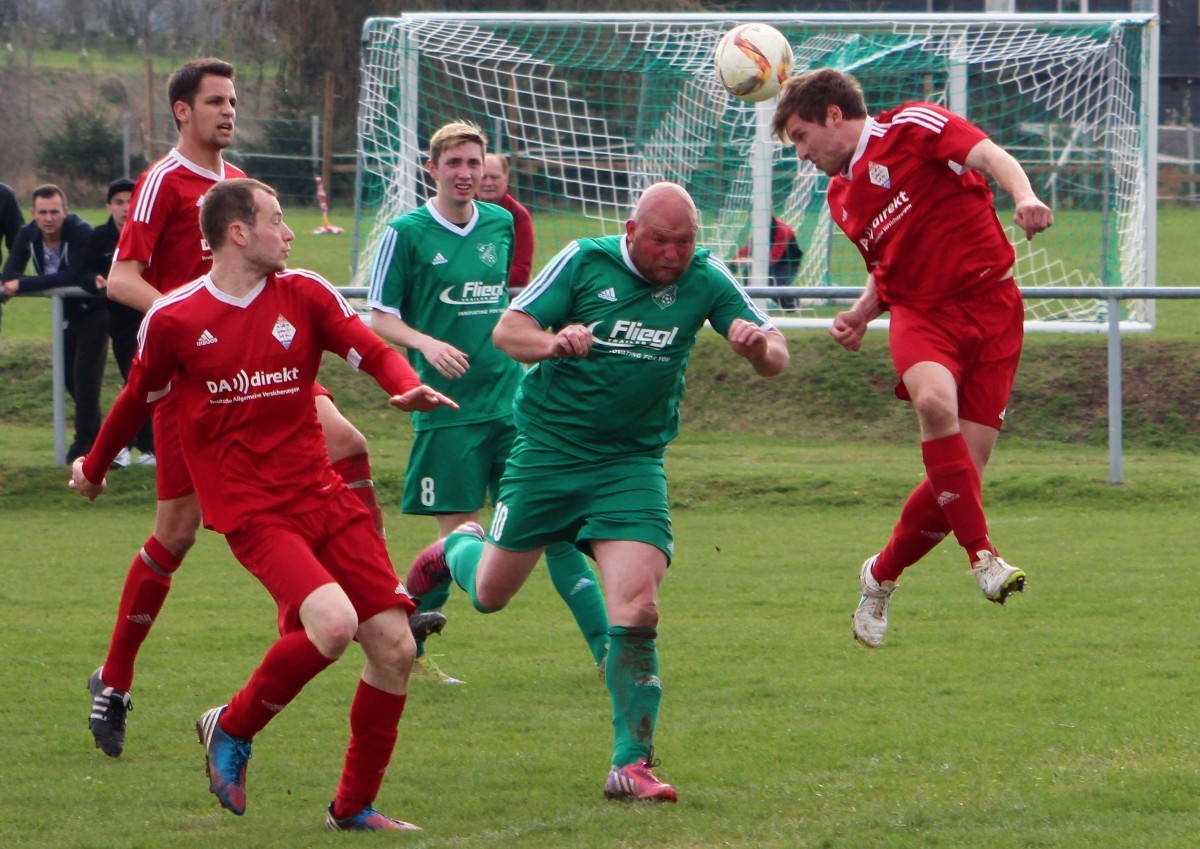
<point x="590" y="109"/>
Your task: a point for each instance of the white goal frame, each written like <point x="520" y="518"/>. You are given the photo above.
<point x="548" y="123"/>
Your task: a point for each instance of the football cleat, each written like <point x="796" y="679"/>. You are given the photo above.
<point x="368" y="819"/>
<point x="637" y="781"/>
<point x="107" y="719"/>
<point x="426" y="667"/>
<point x="225" y="761"/>
<point x="996" y="578"/>
<point x="429" y="568"/>
<point x="870" y="617"/>
<point x="425" y="623"/>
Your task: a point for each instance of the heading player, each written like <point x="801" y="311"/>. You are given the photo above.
<point x="908" y="189"/>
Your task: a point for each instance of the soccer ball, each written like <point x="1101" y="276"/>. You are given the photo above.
<point x="753" y="61"/>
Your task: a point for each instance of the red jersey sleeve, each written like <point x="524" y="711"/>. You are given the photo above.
<point x="522" y="262"/>
<point x="148" y="215"/>
<point x="943" y="142"/>
<point x="347" y="336"/>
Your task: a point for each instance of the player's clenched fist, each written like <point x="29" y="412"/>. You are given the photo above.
<point x="90" y="491"/>
<point x="574" y="340"/>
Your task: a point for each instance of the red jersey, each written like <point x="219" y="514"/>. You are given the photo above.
<point x="163" y="228"/>
<point x="242" y="371"/>
<point x="925" y="224"/>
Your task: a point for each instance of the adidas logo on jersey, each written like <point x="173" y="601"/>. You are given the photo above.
<point x="206" y="338"/>
<point x="439" y="259"/>
<point x="609" y="294"/>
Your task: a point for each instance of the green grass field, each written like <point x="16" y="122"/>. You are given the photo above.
<point x="1061" y="720"/>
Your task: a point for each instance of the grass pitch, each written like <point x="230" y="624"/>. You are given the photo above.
<point x="1062" y="720"/>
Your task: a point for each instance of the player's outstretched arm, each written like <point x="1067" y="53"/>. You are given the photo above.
<point x="526" y="341"/>
<point x="421" y="399"/>
<point x="80" y="483"/>
<point x="1030" y="214"/>
<point x="765" y="349"/>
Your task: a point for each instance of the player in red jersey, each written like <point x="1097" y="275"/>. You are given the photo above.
<point x="160" y="249"/>
<point x="906" y="187"/>
<point x="239" y="350"/>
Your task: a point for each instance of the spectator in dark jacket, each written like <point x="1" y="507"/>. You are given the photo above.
<point x="56" y="241"/>
<point x="10" y="222"/>
<point x="123" y="321"/>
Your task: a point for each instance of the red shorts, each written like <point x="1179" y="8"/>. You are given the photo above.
<point x="170" y="471"/>
<point x="978" y="340"/>
<point x="338" y="543"/>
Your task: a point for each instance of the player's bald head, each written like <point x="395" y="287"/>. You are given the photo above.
<point x="665" y="202"/>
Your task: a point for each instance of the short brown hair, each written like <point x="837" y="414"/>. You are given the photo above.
<point x="47" y="191"/>
<point x="809" y="96"/>
<point x="185" y="82"/>
<point x="226" y="202"/>
<point x="452" y="135"/>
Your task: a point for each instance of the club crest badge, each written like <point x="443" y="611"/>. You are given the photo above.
<point x="879" y="175"/>
<point x="284" y="331"/>
<point x="664" y="297"/>
<point x="488" y="254"/>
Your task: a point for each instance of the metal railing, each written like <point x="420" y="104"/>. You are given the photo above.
<point x="1113" y="296"/>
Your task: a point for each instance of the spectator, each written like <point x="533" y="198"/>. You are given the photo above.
<point x="10" y="222"/>
<point x="786" y="256"/>
<point x="57" y="240"/>
<point x="493" y="188"/>
<point x="123" y="321"/>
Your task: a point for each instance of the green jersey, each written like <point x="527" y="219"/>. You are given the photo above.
<point x="623" y="398"/>
<point x="451" y="283"/>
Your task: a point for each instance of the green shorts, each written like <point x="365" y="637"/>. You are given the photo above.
<point x="455" y="469"/>
<point x="547" y="496"/>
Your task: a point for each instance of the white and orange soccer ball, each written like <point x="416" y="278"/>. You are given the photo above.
<point x="753" y="61"/>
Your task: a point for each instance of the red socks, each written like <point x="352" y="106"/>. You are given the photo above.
<point x="921" y="527"/>
<point x="950" y="498"/>
<point x="146" y="587"/>
<point x="374" y="726"/>
<point x="290" y="663"/>
<point x="355" y="470"/>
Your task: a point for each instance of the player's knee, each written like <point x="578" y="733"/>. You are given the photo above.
<point x="332" y="630"/>
<point x="395" y="650"/>
<point x="937" y="411"/>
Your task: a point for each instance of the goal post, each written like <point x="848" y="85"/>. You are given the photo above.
<point x="590" y="109"/>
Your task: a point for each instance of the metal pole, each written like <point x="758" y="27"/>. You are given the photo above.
<point x="1115" y="412"/>
<point x="58" y="392"/>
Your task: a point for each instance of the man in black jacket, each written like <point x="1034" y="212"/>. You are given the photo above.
<point x="57" y="241"/>
<point x="123" y="321"/>
<point x="11" y="221"/>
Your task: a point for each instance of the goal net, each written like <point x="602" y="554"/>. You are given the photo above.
<point x="590" y="109"/>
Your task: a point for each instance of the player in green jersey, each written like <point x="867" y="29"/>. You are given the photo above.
<point x="439" y="284"/>
<point x="610" y="324"/>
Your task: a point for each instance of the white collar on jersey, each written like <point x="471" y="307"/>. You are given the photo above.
<point x="193" y="167"/>
<point x="867" y="130"/>
<point x="629" y="260"/>
<point x="450" y="225"/>
<point x="226" y="298"/>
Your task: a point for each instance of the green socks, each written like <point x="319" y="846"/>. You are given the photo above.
<point x="576" y="582"/>
<point x="631" y="674"/>
<point x="463" y="551"/>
